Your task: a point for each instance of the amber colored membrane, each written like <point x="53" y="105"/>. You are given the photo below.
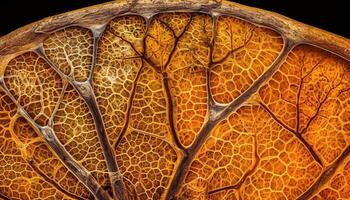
<point x="185" y="105"/>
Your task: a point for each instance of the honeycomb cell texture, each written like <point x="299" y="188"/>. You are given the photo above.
<point x="192" y="100"/>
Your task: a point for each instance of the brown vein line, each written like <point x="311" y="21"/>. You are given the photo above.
<point x="140" y="54"/>
<point x="52" y="182"/>
<point x="212" y="121"/>
<point x="316" y="113"/>
<point x="301" y="139"/>
<point x="288" y="45"/>
<point x="238" y="185"/>
<point x="80" y="172"/>
<point x="4" y="197"/>
<point x="325" y="176"/>
<point x="66" y="158"/>
<point x="117" y="184"/>
<point x="118" y="187"/>
<point x="177" y="39"/>
<point x="212" y="63"/>
<point x="276" y="119"/>
<point x="51" y="140"/>
<point x="211" y="101"/>
<point x="232" y="51"/>
<point x="171" y="112"/>
<point x="298" y="97"/>
<point x="86" y="92"/>
<point x="300" y="88"/>
<point x="187" y="158"/>
<point x="185" y="162"/>
<point x="128" y="111"/>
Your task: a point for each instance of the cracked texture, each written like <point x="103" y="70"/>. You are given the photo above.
<point x="254" y="155"/>
<point x="34" y="84"/>
<point x="187" y="78"/>
<point x="309" y="95"/>
<point x="146" y="163"/>
<point x="70" y="50"/>
<point x="148" y="111"/>
<point x="193" y="106"/>
<point x="116" y="69"/>
<point x="75" y="129"/>
<point x="242" y="52"/>
<point x="29" y="170"/>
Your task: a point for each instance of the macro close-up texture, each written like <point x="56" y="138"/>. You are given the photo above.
<point x="182" y="100"/>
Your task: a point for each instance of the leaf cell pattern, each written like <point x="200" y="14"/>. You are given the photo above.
<point x="34" y="84"/>
<point x="174" y="105"/>
<point x="75" y="129"/>
<point x="29" y="169"/>
<point x="71" y="51"/>
<point x="242" y="52"/>
<point x="117" y="66"/>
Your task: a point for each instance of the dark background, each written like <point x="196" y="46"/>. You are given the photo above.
<point x="333" y="15"/>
